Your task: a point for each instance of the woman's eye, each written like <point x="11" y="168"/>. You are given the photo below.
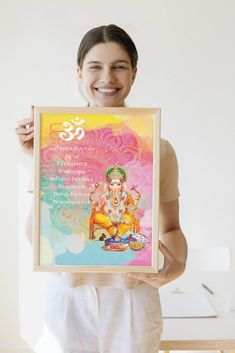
<point x="119" y="67"/>
<point x="95" y="67"/>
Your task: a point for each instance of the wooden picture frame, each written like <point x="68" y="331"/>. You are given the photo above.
<point x="96" y="189"/>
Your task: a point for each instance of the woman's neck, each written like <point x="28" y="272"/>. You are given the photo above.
<point x="93" y="106"/>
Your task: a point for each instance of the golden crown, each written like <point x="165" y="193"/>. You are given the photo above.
<point x="115" y="172"/>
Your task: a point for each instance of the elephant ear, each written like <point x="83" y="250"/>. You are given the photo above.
<point x="124" y="186"/>
<point x="100" y="188"/>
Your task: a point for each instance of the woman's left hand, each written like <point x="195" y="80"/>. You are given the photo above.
<point x="172" y="269"/>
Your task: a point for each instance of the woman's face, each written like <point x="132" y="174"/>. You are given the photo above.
<point x="106" y="75"/>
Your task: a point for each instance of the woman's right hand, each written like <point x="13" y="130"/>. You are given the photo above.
<point x="25" y="132"/>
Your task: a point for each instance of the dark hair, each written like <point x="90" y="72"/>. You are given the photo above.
<point x="104" y="34"/>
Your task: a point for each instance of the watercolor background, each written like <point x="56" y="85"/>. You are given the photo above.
<point x="68" y="171"/>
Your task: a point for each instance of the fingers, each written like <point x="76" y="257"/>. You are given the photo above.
<point x="24" y="138"/>
<point x="25" y="122"/>
<point x="134" y="275"/>
<point x="26" y="126"/>
<point x="29" y="121"/>
<point x="151" y="278"/>
<point x="25" y="133"/>
<point x="24" y="130"/>
<point x="141" y="276"/>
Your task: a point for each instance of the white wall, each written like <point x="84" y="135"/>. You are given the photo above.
<point x="186" y="67"/>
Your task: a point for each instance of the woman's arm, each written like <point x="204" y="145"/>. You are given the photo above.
<point x="173" y="244"/>
<point x="25" y="134"/>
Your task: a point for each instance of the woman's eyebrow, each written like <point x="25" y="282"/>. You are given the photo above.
<point x="120" y="61"/>
<point x="114" y="62"/>
<point x="94" y="62"/>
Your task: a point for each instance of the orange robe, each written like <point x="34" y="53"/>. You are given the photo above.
<point x="126" y="221"/>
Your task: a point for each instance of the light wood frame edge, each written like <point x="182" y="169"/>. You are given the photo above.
<point x="36" y="218"/>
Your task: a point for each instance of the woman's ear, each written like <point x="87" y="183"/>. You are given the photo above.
<point x="134" y="75"/>
<point x="79" y="72"/>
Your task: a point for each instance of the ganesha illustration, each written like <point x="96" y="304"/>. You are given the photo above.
<point x="113" y="211"/>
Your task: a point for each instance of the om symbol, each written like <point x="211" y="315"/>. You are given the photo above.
<point x="71" y="131"/>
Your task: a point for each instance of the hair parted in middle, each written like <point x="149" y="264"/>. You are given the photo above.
<point x="105" y="34"/>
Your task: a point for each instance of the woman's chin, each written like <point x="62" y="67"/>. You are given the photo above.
<point x="106" y="102"/>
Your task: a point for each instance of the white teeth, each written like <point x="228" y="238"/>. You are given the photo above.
<point x="107" y="90"/>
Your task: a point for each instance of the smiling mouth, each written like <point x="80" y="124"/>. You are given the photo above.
<point x="107" y="91"/>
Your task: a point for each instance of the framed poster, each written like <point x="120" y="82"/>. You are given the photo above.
<point x="96" y="189"/>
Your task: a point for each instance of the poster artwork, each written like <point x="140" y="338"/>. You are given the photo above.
<point x="96" y="189"/>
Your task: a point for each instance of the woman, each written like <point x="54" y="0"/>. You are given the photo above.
<point x="112" y="312"/>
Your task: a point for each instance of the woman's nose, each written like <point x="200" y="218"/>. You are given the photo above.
<point x="107" y="76"/>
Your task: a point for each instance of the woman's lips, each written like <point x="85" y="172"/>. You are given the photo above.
<point x="107" y="91"/>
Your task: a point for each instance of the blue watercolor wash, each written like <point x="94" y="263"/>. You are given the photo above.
<point x="93" y="254"/>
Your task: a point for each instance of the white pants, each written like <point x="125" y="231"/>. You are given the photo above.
<point x="86" y="319"/>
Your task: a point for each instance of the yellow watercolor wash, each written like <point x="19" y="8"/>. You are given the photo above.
<point x="142" y="129"/>
<point x="55" y="122"/>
